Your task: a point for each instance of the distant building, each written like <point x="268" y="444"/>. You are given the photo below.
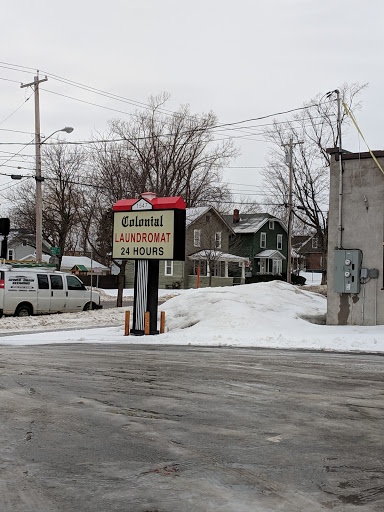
<point x="307" y="255"/>
<point x="21" y="243"/>
<point x="262" y="239"/>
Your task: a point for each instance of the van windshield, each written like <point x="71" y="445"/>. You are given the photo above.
<point x="74" y="283"/>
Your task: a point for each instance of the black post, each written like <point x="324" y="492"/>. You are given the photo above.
<point x="145" y="296"/>
<point x="152" y="294"/>
<point x="4" y="247"/>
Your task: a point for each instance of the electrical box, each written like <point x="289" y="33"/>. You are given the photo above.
<point x="347" y="270"/>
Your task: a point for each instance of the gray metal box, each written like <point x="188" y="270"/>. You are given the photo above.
<point x="347" y="270"/>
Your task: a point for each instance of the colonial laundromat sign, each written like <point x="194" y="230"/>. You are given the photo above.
<point x="143" y="232"/>
<point x="148" y="229"/>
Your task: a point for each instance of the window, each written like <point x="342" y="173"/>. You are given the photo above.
<point x="56" y="282"/>
<point x="271" y="224"/>
<point x="279" y="242"/>
<point x="168" y="268"/>
<point x="203" y="267"/>
<point x="10" y="254"/>
<point x="24" y="243"/>
<point x="314" y="243"/>
<point x="42" y="281"/>
<point x="196" y="237"/>
<point x="263" y="240"/>
<point x="207" y="218"/>
<point x="218" y="240"/>
<point x="218" y="269"/>
<point x="74" y="283"/>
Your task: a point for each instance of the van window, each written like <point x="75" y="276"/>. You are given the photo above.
<point x="74" y="283"/>
<point x="56" y="282"/>
<point x="43" y="282"/>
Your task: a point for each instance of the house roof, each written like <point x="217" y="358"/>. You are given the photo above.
<point x="218" y="255"/>
<point x="303" y="244"/>
<point x="19" y="236"/>
<point x="251" y="222"/>
<point x="68" y="262"/>
<point x="193" y="214"/>
<point x="270" y="253"/>
<point x="82" y="268"/>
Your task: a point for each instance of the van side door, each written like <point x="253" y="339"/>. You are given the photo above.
<point x="58" y="296"/>
<point x="43" y="294"/>
<point x="77" y="295"/>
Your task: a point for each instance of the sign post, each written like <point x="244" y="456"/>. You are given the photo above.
<point x="147" y="230"/>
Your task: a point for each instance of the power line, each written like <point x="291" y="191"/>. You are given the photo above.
<point x="18" y="108"/>
<point x="14" y="131"/>
<point x="9" y="80"/>
<point x="133" y="102"/>
<point x="15" y="154"/>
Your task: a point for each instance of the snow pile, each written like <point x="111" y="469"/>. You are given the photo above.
<point x="271" y="315"/>
<point x="96" y="318"/>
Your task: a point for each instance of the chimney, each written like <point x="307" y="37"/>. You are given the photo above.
<point x="236" y="216"/>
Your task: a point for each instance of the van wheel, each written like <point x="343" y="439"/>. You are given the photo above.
<point x="23" y="310"/>
<point x="87" y="307"/>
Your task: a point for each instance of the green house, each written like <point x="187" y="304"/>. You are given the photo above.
<point x="262" y="238"/>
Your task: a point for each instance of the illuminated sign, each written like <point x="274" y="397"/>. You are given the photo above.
<point x="149" y="234"/>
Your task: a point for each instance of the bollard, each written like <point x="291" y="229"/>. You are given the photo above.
<point x="146" y="323"/>
<point x="162" y="322"/>
<point x="127" y="314"/>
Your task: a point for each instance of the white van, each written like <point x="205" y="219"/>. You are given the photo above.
<point x="36" y="290"/>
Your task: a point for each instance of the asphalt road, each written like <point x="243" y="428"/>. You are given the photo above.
<point x="189" y="429"/>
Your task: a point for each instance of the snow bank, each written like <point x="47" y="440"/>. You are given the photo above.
<point x="271" y="315"/>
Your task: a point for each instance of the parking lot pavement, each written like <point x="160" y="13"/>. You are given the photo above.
<point x="189" y="429"/>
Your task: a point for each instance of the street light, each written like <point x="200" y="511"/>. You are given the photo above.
<point x="39" y="195"/>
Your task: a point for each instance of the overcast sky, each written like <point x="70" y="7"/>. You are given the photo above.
<point x="240" y="59"/>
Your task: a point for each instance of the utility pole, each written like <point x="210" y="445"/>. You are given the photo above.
<point x="289" y="159"/>
<point x="38" y="178"/>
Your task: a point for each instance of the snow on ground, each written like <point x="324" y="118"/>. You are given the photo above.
<point x="312" y="278"/>
<point x="272" y="315"/>
<point x="107" y="295"/>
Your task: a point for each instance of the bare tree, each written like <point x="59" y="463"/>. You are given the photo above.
<point x="175" y="154"/>
<point x="169" y="154"/>
<point x="316" y="129"/>
<point x="62" y="166"/>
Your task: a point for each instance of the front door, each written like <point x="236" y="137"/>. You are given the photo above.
<point x="275" y="267"/>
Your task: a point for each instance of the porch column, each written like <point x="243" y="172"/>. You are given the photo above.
<point x="243" y="270"/>
<point x="226" y="269"/>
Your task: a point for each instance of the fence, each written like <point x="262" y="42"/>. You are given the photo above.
<point x="108" y="282"/>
